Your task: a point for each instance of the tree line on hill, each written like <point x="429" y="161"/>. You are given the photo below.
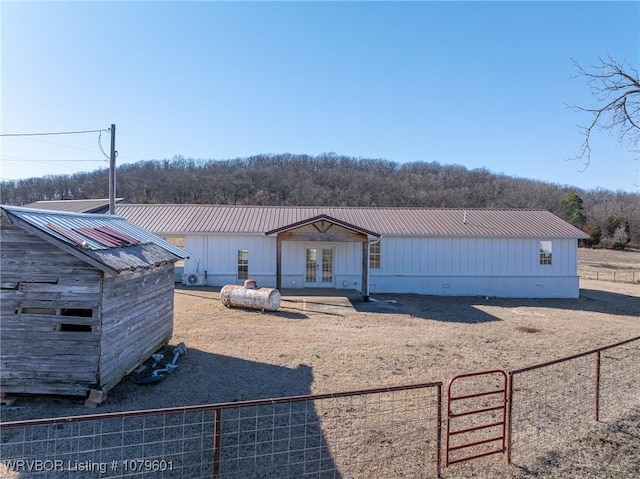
<point x="611" y="218"/>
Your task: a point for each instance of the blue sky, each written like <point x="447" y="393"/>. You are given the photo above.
<point x="478" y="84"/>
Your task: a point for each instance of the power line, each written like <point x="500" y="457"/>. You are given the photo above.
<point x="18" y="158"/>
<point x="100" y="145"/>
<point x="54" y="133"/>
<point x="62" y="145"/>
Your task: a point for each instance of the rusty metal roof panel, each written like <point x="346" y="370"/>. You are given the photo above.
<point x="166" y="219"/>
<point x="110" y="239"/>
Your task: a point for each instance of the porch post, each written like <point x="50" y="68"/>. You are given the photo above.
<point x="365" y="270"/>
<point x="278" y="263"/>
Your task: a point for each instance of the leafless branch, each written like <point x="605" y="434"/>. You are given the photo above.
<point x="616" y="89"/>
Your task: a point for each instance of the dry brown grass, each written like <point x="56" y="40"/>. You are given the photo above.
<point x="307" y="348"/>
<point x="604" y="259"/>
<point x="609" y="265"/>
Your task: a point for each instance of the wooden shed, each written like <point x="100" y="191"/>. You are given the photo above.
<point x="84" y="299"/>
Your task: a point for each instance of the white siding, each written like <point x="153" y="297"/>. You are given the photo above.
<point x="476" y="266"/>
<point x="507" y="267"/>
<point x="217" y="256"/>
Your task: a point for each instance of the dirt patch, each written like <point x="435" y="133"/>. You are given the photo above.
<point x="236" y="354"/>
<point x="528" y="329"/>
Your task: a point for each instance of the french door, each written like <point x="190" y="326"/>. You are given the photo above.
<point x="318" y="271"/>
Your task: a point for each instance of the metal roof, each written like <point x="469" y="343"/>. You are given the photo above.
<point x="100" y="205"/>
<point x="181" y="219"/>
<point x="110" y="240"/>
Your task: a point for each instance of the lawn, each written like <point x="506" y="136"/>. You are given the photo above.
<point x="308" y="347"/>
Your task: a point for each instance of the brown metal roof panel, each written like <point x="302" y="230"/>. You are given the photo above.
<point x="397" y="221"/>
<point x="74" y="206"/>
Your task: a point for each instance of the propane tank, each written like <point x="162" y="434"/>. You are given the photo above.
<point x="250" y="296"/>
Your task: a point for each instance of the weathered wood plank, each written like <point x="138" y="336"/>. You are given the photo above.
<point x="51" y="336"/>
<point x="137" y="321"/>
<point x="45" y="387"/>
<point x="135" y="284"/>
<point x="11" y="305"/>
<point x="150" y="311"/>
<point x="27" y="323"/>
<point x="108" y="379"/>
<point x="79" y="287"/>
<point x="143" y="332"/>
<point x="21" y="348"/>
<point x="159" y="317"/>
<point x="132" y="300"/>
<point x="41" y="374"/>
<point x="61" y="297"/>
<point x="63" y="362"/>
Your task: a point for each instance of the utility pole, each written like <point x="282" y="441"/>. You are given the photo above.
<point x="112" y="172"/>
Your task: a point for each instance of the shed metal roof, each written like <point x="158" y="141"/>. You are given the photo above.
<point x="99" y="205"/>
<point x="182" y="219"/>
<point x="109" y="240"/>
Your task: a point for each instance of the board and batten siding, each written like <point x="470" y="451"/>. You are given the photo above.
<point x="508" y="267"/>
<point x="45" y="347"/>
<point x="137" y="313"/>
<point x="217" y="255"/>
<point x="455" y="266"/>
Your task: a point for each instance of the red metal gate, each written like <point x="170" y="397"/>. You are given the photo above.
<point x="478" y="420"/>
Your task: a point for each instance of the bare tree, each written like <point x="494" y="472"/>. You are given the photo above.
<point x="616" y="89"/>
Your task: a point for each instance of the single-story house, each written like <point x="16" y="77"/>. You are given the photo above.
<point x="456" y="252"/>
<point x="84" y="298"/>
<point x="97" y="205"/>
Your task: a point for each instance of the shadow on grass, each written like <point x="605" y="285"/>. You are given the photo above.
<point x="257" y="439"/>
<point x="297" y="304"/>
<point x="468" y="309"/>
<point x="269" y="439"/>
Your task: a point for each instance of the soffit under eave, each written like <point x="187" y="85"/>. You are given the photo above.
<point x="315" y="219"/>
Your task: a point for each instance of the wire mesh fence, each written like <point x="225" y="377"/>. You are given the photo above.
<point x="387" y="432"/>
<point x="620" y="276"/>
<point x="171" y="443"/>
<point x="390" y="432"/>
<point x="549" y="405"/>
<point x="558" y="401"/>
<point x="619" y="379"/>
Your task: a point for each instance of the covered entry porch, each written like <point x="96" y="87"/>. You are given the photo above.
<point x="323" y="252"/>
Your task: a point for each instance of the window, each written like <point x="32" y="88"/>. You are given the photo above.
<point x="545" y="252"/>
<point x="374" y="255"/>
<point x="243" y="264"/>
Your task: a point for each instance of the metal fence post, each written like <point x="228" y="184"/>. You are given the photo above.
<point x="597" y="388"/>
<point x="509" y="416"/>
<point x="439" y="434"/>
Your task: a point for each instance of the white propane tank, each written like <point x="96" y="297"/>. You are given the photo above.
<point x="249" y="296"/>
